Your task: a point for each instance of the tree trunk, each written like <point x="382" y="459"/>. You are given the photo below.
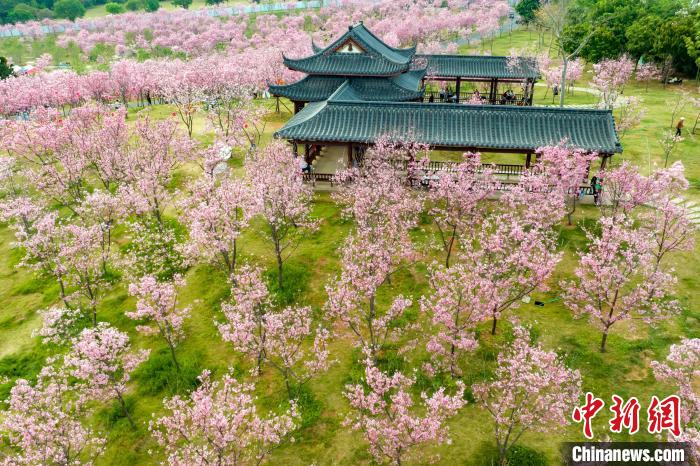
<point x="493" y="327"/>
<point x="172" y="353"/>
<point x="126" y="411"/>
<point x="603" y="341"/>
<point x="562" y="90"/>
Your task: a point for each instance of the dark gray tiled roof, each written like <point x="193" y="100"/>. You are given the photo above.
<point x="477" y="66"/>
<point x="314" y="88"/>
<point x="347" y="118"/>
<point x="379" y="59"/>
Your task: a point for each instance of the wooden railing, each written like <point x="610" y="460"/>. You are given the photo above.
<point x="464" y="97"/>
<point x="440" y="166"/>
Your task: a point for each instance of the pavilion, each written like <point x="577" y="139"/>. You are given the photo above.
<point x="359" y="89"/>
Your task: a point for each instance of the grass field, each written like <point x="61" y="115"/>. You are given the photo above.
<point x="624" y="370"/>
<point x="99" y="10"/>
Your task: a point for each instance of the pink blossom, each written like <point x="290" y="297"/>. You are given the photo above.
<point x="384" y="410"/>
<point x="220" y="424"/>
<point x="532" y="390"/>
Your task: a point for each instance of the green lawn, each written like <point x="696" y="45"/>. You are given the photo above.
<point x="624" y="370"/>
<point x="99" y="10"/>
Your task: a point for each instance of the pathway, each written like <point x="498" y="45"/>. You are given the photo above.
<point x="693" y="209"/>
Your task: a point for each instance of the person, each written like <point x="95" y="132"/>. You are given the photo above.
<point x="431" y="99"/>
<point x="476" y="95"/>
<point x="597" y="188"/>
<point x="304" y="165"/>
<point x="555" y="91"/>
<point x="679" y="126"/>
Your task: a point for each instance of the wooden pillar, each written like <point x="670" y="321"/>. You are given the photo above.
<point x="528" y="160"/>
<point x="350" y="155"/>
<point x="494" y="90"/>
<point x="306" y="152"/>
<point x="604" y="161"/>
<point x="295" y="149"/>
<point x="298" y="106"/>
<point x="459" y="82"/>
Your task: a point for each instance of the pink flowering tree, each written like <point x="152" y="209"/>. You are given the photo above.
<point x="456" y="307"/>
<point x="157" y="149"/>
<point x="216" y="213"/>
<point x="375" y="194"/>
<point x="509" y="259"/>
<point x="158" y="310"/>
<point x="101" y="209"/>
<point x="366" y="268"/>
<point x="220" y="424"/>
<point x="59" y="325"/>
<point x="646" y="73"/>
<point x="102" y="361"/>
<point x="630" y="114"/>
<point x="457" y="200"/>
<point x="616" y="279"/>
<point x="681" y="369"/>
<point x="610" y="77"/>
<point x="43" y="423"/>
<point x="385" y="411"/>
<point x="283" y="200"/>
<point x="668" y="220"/>
<point x="153" y="249"/>
<point x="41" y="237"/>
<point x="273" y="337"/>
<point x="565" y="169"/>
<point x="624" y="190"/>
<point x="532" y="390"/>
<point x="81" y="254"/>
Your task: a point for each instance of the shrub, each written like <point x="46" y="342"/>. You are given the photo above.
<point x="114" y="8"/>
<point x="151" y="5"/>
<point x="134" y="5"/>
<point x="519" y="455"/>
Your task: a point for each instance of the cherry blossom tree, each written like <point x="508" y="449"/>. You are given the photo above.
<point x="154" y="249"/>
<point x="366" y="266"/>
<point x="220" y="424"/>
<point x="101" y="209"/>
<point x="80" y="252"/>
<point x="157" y="150"/>
<point x="44" y="423"/>
<point x="624" y="190"/>
<point x="102" y="361"/>
<point x="610" y="77"/>
<point x="283" y="200"/>
<point x="157" y="308"/>
<point x="385" y="411"/>
<point x="457" y="198"/>
<point x="630" y="115"/>
<point x="566" y="169"/>
<point x="456" y="306"/>
<point x="682" y="369"/>
<point x="668" y="220"/>
<point x="509" y="259"/>
<point x="616" y="279"/>
<point x="59" y="325"/>
<point x="375" y="194"/>
<point x="531" y="390"/>
<point x="271" y="336"/>
<point x="216" y="213"/>
<point x="647" y="72"/>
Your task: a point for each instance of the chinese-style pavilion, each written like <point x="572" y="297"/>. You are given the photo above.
<point x="359" y="89"/>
